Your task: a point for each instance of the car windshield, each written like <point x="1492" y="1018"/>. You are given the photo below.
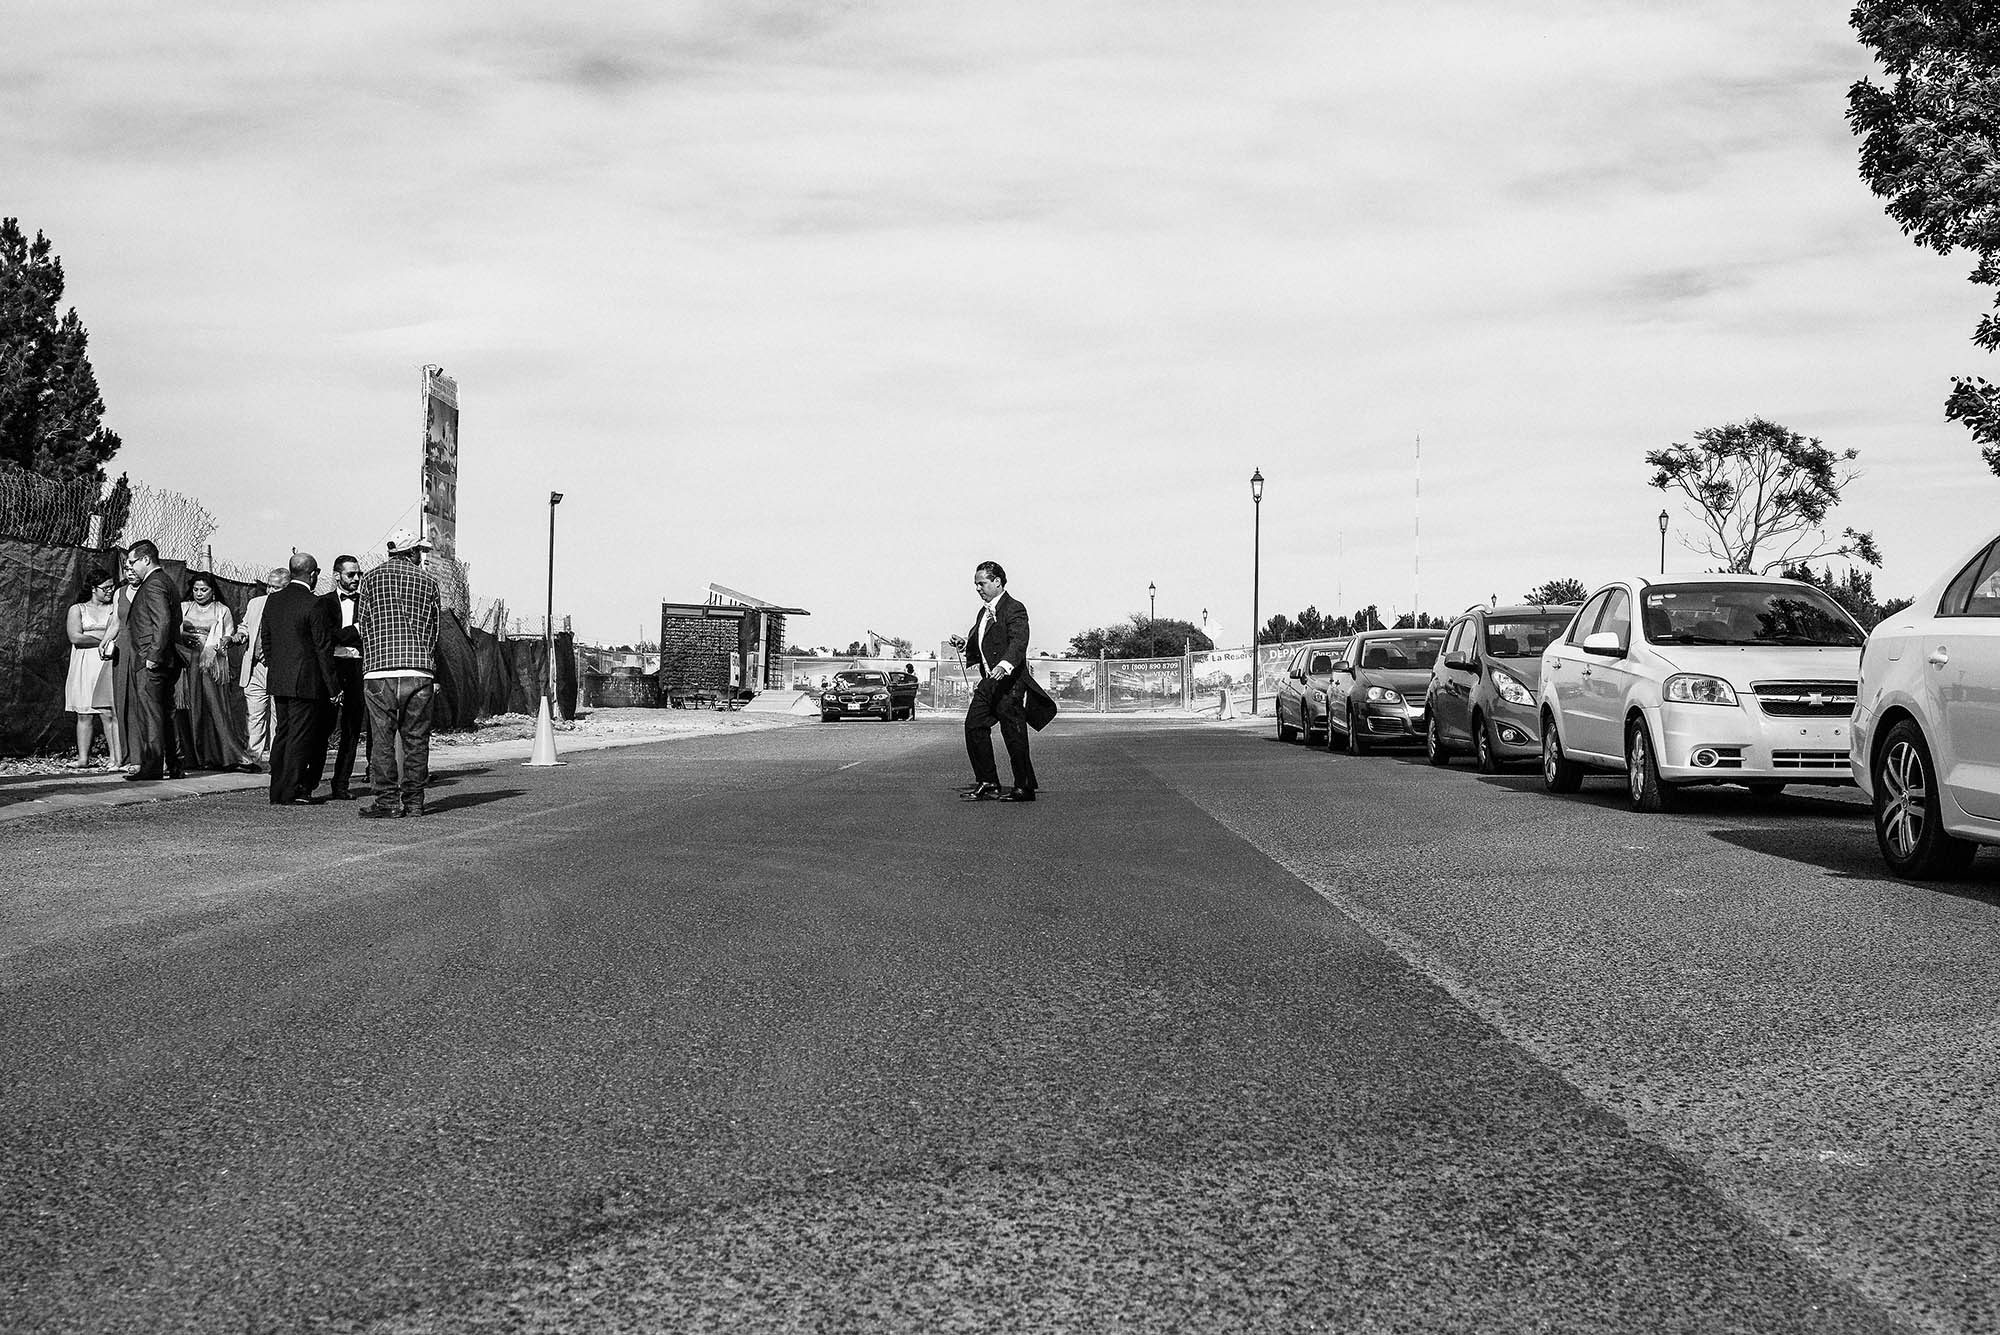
<point x="1413" y="652"/>
<point x="857" y="679"/>
<point x="1746" y="614"/>
<point x="1523" y="636"/>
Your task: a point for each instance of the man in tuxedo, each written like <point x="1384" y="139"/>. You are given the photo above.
<point x="297" y="636"/>
<point x="251" y="676"/>
<point x="148" y="638"/>
<point x="1007" y="692"/>
<point x="353" y="708"/>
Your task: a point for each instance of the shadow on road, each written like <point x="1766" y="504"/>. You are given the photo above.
<point x="466" y="801"/>
<point x="1849" y="853"/>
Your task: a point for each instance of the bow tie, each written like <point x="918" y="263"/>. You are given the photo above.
<point x="347" y="597"/>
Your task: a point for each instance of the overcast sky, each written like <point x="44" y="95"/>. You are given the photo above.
<point x="827" y="302"/>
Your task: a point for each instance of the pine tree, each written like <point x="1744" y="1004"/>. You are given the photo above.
<point x="51" y="413"/>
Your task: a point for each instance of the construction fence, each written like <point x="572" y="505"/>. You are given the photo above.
<point x="1192" y="682"/>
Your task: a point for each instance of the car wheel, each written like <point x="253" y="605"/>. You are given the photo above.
<point x="1560" y="774"/>
<point x="1907" y="826"/>
<point x="1435" y="750"/>
<point x="829" y="718"/>
<point x="1482" y="746"/>
<point x="1286" y="732"/>
<point x="1642" y="771"/>
<point x="1357" y="740"/>
<point x="1331" y="743"/>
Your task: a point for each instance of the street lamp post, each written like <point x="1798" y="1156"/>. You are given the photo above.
<point x="1256" y="555"/>
<point x="549" y="622"/>
<point x="1663" y="542"/>
<point x="1152" y="602"/>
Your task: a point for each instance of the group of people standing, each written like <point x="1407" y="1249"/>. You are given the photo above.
<point x="154" y="671"/>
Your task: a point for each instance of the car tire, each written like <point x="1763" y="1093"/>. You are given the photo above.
<point x="1328" y="740"/>
<point x="1642" y="772"/>
<point x="1483" y="749"/>
<point x="1912" y="837"/>
<point x="829" y="718"/>
<point x="1560" y="774"/>
<point x="1357" y="739"/>
<point x="1435" y="750"/>
<point x="1286" y="732"/>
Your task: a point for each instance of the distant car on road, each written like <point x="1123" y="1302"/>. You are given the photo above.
<point x="1302" y="694"/>
<point x="1376" y="692"/>
<point x="1927" y="725"/>
<point x="869" y="694"/>
<point x="1689" y="679"/>
<point x="1481" y="696"/>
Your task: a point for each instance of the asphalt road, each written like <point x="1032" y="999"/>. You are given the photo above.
<point x="770" y="1032"/>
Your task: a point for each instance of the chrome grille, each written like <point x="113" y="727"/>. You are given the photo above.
<point x="1806" y="699"/>
<point x="1809" y="760"/>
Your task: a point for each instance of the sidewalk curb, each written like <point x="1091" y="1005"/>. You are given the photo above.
<point x="115" y="791"/>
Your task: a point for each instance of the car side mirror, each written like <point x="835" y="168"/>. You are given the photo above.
<point x="1461" y="665"/>
<point x="1298" y="674"/>
<point x="1604" y="644"/>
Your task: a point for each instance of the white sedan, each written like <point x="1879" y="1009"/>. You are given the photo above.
<point x="1927" y="726"/>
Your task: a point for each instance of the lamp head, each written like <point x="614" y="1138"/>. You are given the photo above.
<point x="1257" y="485"/>
<point x="1663" y="521"/>
<point x="555" y="498"/>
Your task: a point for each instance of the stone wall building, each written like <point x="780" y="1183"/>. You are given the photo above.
<point x="697" y="641"/>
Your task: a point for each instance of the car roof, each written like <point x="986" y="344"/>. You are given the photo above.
<point x="1709" y="577"/>
<point x="1399" y="634"/>
<point x="1527" y="610"/>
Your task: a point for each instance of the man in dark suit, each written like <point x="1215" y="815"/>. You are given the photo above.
<point x="352" y="711"/>
<point x="299" y="673"/>
<point x="148" y="639"/>
<point x="1007" y="694"/>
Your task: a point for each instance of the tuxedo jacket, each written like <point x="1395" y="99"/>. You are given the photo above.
<point x="1006" y="640"/>
<point x="1006" y="637"/>
<point x="343" y="636"/>
<point x="152" y="625"/>
<point x="298" y="645"/>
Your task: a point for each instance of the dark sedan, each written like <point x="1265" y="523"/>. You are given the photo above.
<point x="883" y="695"/>
<point x="1376" y="692"/>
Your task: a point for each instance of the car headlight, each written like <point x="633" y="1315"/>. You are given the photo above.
<point x="1512" y="689"/>
<point x="1692" y="688"/>
<point x="1382" y="695"/>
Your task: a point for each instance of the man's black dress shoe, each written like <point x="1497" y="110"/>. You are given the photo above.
<point x="140" y="778"/>
<point x="307" y="802"/>
<point x="981" y="792"/>
<point x="343" y="797"/>
<point x="1018" y="795"/>
<point x="379" y="813"/>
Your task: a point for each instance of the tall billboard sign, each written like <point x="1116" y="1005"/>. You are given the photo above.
<point x="441" y="461"/>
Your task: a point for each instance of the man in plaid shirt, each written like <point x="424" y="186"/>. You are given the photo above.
<point x="397" y="614"/>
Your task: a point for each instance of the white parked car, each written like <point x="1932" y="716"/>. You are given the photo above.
<point x="1927" y="727"/>
<point x="1687" y="679"/>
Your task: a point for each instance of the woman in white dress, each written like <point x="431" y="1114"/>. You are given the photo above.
<point x="87" y="690"/>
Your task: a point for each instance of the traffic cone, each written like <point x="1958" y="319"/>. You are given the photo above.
<point x="545" y="738"/>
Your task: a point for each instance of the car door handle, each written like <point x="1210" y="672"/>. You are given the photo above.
<point x="1938" y="657"/>
<point x="1585" y="672"/>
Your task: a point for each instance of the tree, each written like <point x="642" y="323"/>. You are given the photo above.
<point x="1761" y="494"/>
<point x="1421" y="621"/>
<point x="1853" y="590"/>
<point x="1555" y="592"/>
<point x="1144" y="637"/>
<point x="1366" y="618"/>
<point x="1930" y="146"/>
<point x="51" y="414"/>
<point x="1278" y="630"/>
